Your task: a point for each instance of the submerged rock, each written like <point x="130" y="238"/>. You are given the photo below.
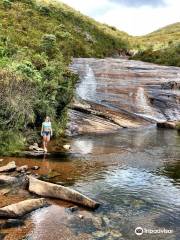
<point x="11" y="223"/>
<point x="73" y="208"/>
<point x="9" y="167"/>
<point x="19" y="209"/>
<point x="47" y="189"/>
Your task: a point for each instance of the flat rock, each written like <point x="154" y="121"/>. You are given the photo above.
<point x="47" y="189"/>
<point x="22" y="168"/>
<point x="4" y="179"/>
<point x="21" y="208"/>
<point x="9" y="167"/>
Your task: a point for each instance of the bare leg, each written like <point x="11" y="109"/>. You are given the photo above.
<point x="47" y="141"/>
<point x="44" y="143"/>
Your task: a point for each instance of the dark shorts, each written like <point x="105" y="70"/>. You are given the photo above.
<point x="46" y="134"/>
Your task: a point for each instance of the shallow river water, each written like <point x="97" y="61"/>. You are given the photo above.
<point x="134" y="173"/>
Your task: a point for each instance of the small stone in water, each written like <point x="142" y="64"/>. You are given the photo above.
<point x="81" y="216"/>
<point x="35" y="167"/>
<point x="73" y="209"/>
<point x="115" y="234"/>
<point x="100" y="234"/>
<point x="22" y="168"/>
<point x="67" y="146"/>
<point x="106" y="220"/>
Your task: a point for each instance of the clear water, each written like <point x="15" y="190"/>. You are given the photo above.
<point x="135" y="174"/>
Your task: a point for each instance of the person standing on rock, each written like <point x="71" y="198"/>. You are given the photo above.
<point x="46" y="132"/>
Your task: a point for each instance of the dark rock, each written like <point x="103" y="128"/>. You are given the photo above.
<point x="168" y="125"/>
<point x="35" y="167"/>
<point x="73" y="208"/>
<point x="172" y="85"/>
<point x="11" y="223"/>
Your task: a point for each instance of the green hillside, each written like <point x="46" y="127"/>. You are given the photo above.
<point x="161" y="46"/>
<point x="37" y="41"/>
<point x="161" y="38"/>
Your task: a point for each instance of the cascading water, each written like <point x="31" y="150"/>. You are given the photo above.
<point x="87" y="88"/>
<point x="144" y="107"/>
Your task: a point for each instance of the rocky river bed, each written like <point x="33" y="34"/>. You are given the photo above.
<point x="117" y="157"/>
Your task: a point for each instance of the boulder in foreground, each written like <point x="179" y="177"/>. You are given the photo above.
<point x="20" y="209"/>
<point x="9" y="167"/>
<point x="47" y="189"/>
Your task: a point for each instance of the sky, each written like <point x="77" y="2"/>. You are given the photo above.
<point x="136" y="17"/>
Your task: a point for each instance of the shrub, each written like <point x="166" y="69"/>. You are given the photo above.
<point x="44" y="10"/>
<point x="49" y="44"/>
<point x="39" y="61"/>
<point x="28" y="71"/>
<point x="17" y="97"/>
<point x="7" y="4"/>
<point x="11" y="142"/>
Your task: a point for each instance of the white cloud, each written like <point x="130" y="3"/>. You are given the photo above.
<point x="134" y="20"/>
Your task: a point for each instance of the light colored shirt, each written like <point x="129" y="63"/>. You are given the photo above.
<point x="46" y="125"/>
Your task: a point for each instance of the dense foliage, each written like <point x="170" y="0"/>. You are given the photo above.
<point x="168" y="56"/>
<point x="37" y="41"/>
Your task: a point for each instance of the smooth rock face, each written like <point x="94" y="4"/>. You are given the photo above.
<point x="9" y="167"/>
<point x="47" y="189"/>
<point x="130" y="93"/>
<point x="19" y="209"/>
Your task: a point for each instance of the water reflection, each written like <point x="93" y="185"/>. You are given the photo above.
<point x="134" y="173"/>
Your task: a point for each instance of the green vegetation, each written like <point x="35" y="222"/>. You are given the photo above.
<point x="168" y="56"/>
<point x="37" y="41"/>
<point x="161" y="46"/>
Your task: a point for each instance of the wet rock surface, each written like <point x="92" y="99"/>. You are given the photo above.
<point x="21" y="208"/>
<point x="124" y="93"/>
<point x="9" y="167"/>
<point x="5" y="179"/>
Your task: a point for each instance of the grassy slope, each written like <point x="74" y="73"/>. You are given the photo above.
<point x="162" y="37"/>
<point x="161" y="46"/>
<point x="77" y="35"/>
